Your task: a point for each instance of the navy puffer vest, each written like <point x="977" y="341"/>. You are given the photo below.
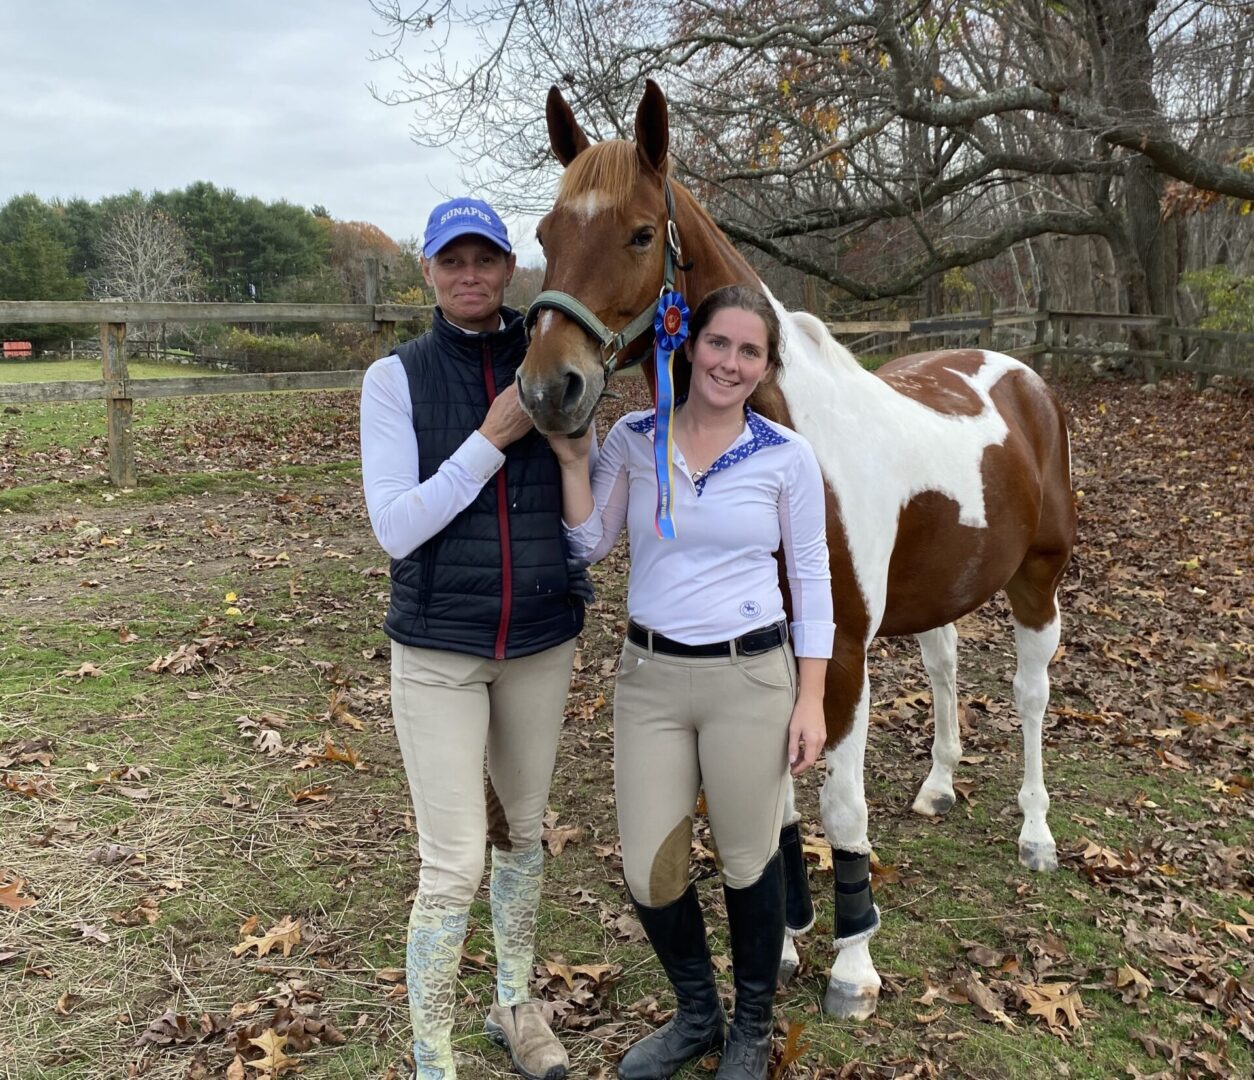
<point x="493" y="582"/>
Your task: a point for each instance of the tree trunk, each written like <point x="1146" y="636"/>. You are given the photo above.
<point x="1150" y="276"/>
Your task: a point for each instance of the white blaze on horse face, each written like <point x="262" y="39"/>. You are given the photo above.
<point x="587" y="205"/>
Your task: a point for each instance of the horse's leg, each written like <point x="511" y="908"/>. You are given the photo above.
<point x="854" y="985"/>
<point x="940" y="658"/>
<point x="799" y="908"/>
<point x="1037" y="629"/>
<point x="1035" y="648"/>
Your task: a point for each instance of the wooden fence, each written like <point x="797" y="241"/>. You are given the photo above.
<point x="1044" y="334"/>
<point x="120" y="391"/>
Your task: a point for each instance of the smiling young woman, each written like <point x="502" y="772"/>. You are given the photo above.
<point x="715" y="689"/>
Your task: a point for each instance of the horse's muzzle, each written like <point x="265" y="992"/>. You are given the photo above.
<point x="561" y="402"/>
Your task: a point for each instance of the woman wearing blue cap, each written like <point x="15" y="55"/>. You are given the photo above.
<point x="466" y="497"/>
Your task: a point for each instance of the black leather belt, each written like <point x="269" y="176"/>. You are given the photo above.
<point x="750" y="644"/>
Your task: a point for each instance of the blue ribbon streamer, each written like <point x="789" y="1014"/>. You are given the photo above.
<point x="670" y="329"/>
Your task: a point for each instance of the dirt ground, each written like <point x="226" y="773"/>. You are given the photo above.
<point x="150" y="811"/>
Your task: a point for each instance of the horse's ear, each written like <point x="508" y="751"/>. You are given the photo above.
<point x="565" y="135"/>
<point x="652" y="127"/>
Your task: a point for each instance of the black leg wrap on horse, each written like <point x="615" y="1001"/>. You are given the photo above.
<point x="799" y="906"/>
<point x="677" y="934"/>
<point x="755" y="917"/>
<point x="855" y="906"/>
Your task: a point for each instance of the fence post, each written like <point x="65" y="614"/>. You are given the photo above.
<point x="1040" y="330"/>
<point x="1203" y="376"/>
<point x="986" y="311"/>
<point x="119" y="404"/>
<point x="384" y="333"/>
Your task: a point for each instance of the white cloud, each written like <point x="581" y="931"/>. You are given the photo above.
<point x="269" y="98"/>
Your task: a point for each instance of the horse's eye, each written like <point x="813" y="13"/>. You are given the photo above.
<point x="643" y="237"/>
<point x="539" y="238"/>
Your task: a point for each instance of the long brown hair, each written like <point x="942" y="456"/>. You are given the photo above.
<point x="745" y="298"/>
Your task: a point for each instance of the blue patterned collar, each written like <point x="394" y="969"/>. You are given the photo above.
<point x="761" y="434"/>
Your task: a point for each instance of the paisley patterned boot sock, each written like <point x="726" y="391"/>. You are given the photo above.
<point x="514" y="892"/>
<point x="431" y="960"/>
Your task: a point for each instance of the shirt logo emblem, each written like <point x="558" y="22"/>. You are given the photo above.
<point x="750" y="608"/>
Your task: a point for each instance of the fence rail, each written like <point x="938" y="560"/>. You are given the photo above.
<point x="1203" y="352"/>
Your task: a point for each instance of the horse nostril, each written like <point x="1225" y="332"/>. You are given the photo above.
<point x="574" y="390"/>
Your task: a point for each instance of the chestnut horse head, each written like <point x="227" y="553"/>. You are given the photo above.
<point x="612" y="246"/>
<point x="608" y="249"/>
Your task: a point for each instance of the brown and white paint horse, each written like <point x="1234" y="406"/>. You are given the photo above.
<point x="948" y="476"/>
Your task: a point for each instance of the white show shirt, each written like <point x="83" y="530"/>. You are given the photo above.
<point x="718" y="578"/>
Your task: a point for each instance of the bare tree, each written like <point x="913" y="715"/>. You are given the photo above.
<point x="874" y="144"/>
<point x="143" y="256"/>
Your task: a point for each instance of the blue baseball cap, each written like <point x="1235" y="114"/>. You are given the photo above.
<point x="463" y="217"/>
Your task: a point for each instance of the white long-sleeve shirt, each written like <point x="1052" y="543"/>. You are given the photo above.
<point x="718" y="579"/>
<point x="403" y="512"/>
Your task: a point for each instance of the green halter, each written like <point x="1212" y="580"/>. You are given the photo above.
<point x="613" y="343"/>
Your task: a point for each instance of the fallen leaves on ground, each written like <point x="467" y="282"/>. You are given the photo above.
<point x="284" y="935"/>
<point x="1054" y="1003"/>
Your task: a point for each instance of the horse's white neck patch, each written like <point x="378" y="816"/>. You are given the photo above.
<point x="878" y="449"/>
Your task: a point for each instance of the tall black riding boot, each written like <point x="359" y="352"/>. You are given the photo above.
<point x="677" y="934"/>
<point x="755" y="916"/>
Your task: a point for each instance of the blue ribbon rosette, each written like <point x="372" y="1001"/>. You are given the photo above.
<point x="670" y="330"/>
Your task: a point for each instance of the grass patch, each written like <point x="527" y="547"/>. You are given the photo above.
<point x="67" y="370"/>
<point x="176" y="795"/>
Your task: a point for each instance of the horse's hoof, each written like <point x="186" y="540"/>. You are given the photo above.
<point x="933" y="803"/>
<point x="1040" y="857"/>
<point x="844" y="1001"/>
<point x="787" y="969"/>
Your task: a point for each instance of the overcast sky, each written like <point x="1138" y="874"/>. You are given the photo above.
<point x="268" y="97"/>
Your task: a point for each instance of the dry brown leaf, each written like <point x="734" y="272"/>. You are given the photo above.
<point x="67" y="1003"/>
<point x="235" y="1071"/>
<point x="793" y="1049"/>
<point x="930" y="992"/>
<point x="568" y="973"/>
<point x="275" y="1060"/>
<point x="10" y="894"/>
<point x="346" y="756"/>
<point x="818" y="851"/>
<point x="1132" y="983"/>
<point x="84" y="671"/>
<point x="315" y="793"/>
<point x="34" y="787"/>
<point x="986" y="1001"/>
<point x="882" y="875"/>
<point x="1049" y="1000"/>
<point x="284" y="935"/>
<point x="92" y="933"/>
<point x="338" y="712"/>
<point x="557" y="838"/>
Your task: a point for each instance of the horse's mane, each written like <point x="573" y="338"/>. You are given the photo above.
<point x="610" y="169"/>
<point x="832" y="352"/>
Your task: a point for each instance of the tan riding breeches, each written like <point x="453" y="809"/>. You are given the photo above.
<point x="450" y="710"/>
<point x="683" y="723"/>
